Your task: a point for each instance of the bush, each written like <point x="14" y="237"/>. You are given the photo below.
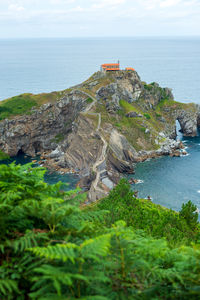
<point x="52" y="249"/>
<point x="89" y="100"/>
<point x="189" y="213"/>
<point x="148" y="117"/>
<point x="153" y="219"/>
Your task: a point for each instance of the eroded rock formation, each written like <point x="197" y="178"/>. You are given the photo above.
<point x="101" y="128"/>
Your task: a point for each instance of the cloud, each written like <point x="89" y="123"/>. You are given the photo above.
<point x="107" y="3"/>
<point x="16" y="7"/>
<point x="100" y="17"/>
<point x="169" y="3"/>
<point x="56" y="2"/>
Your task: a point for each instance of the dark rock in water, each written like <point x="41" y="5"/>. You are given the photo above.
<point x="175" y="154"/>
<point x="85" y="182"/>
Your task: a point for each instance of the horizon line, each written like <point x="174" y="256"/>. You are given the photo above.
<point x="100" y="37"/>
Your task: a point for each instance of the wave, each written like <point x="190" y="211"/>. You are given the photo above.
<point x="182" y="155"/>
<point x="139" y="181"/>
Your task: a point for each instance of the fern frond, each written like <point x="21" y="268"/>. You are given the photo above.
<point x="61" y="252"/>
<point x="97" y="247"/>
<point x="2" y="248"/>
<point x="29" y="240"/>
<point x="8" y="286"/>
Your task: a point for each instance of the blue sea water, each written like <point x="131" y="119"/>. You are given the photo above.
<point x="69" y="180"/>
<point x="44" y="65"/>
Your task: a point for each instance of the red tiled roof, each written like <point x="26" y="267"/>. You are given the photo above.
<point x="130" y="69"/>
<point x="108" y="65"/>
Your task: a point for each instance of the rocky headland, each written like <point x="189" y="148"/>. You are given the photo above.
<point x="98" y="129"/>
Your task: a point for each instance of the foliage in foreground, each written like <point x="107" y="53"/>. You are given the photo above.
<point x="178" y="228"/>
<point x="52" y="249"/>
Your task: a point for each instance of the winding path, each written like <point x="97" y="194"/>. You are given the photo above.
<point x="101" y="159"/>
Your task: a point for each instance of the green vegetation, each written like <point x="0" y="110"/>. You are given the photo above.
<point x="89" y="100"/>
<point x="119" y="248"/>
<point x="3" y="155"/>
<point x="148" y="87"/>
<point x="147" y="116"/>
<point x="16" y="106"/>
<point x="127" y="107"/>
<point x="22" y="104"/>
<point x="132" y="128"/>
<point x="177" y="228"/>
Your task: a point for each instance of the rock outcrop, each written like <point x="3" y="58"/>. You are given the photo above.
<point x="101" y="128"/>
<point x="42" y="129"/>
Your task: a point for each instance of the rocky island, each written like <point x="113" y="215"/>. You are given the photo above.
<point x="99" y="128"/>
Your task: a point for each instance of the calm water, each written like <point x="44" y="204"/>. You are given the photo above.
<point x="49" y="177"/>
<point x="171" y="181"/>
<point x="44" y="65"/>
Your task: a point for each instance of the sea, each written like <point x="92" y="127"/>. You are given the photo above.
<point x="45" y="65"/>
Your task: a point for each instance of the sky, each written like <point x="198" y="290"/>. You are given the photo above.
<point x="98" y="18"/>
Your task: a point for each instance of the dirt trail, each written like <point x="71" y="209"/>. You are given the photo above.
<point x="102" y="157"/>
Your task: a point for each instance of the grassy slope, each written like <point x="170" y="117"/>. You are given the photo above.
<point x="22" y="104"/>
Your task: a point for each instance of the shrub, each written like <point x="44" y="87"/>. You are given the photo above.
<point x="153" y="219"/>
<point x="89" y="100"/>
<point x="52" y="249"/>
<point x="147" y="116"/>
<point x="189" y="213"/>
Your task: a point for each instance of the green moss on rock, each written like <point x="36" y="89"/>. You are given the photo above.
<point x="3" y="155"/>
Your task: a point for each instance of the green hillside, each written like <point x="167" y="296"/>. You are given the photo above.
<point x="52" y="246"/>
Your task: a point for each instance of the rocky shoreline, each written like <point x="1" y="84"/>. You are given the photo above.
<point x="101" y="128"/>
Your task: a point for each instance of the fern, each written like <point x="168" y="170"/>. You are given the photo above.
<point x="62" y="252"/>
<point x="30" y="239"/>
<point x="8" y="286"/>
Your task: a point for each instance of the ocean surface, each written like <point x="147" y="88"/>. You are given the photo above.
<point x="44" y="65"/>
<point x="69" y="180"/>
<point x="171" y="181"/>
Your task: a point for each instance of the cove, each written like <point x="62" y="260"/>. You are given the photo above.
<point x="171" y="181"/>
<point x="50" y="177"/>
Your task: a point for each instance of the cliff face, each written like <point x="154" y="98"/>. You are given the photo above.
<point x="101" y="127"/>
<point x="42" y="129"/>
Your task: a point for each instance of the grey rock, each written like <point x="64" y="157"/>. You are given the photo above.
<point x="133" y="114"/>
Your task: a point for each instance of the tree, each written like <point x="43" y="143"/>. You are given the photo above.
<point x="189" y="213"/>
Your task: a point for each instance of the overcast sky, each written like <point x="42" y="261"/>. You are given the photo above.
<point x="89" y="18"/>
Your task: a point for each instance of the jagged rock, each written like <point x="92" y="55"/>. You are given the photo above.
<point x="175" y="154"/>
<point x="188" y="122"/>
<point x="38" y="131"/>
<point x="133" y="114"/>
<point x="74" y="135"/>
<point x="57" y="153"/>
<point x="120" y="165"/>
<point x="86" y="181"/>
<point x="121" y="147"/>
